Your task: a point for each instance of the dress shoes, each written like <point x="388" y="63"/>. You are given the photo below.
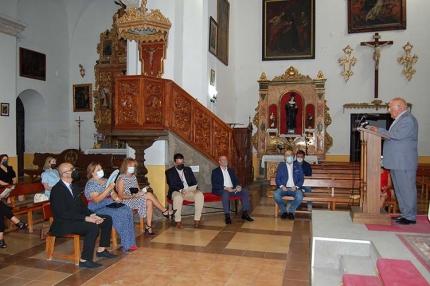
<point x="405" y="221"/>
<point x="196" y="223"/>
<point x="106" y="254"/>
<point x="396" y="217"/>
<point x="291" y="216"/>
<point x="227" y="220"/>
<point x="247" y="217"/>
<point x="179" y="224"/>
<point x="90" y="265"/>
<point x="284" y="216"/>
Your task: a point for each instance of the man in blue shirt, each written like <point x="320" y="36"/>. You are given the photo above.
<point x="307" y="171"/>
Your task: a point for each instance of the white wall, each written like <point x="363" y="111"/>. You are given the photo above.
<point x="331" y="38"/>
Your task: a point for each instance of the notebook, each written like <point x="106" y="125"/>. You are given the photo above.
<point x="6" y="192"/>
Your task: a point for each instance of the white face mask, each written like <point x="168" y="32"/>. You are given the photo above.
<point x="130" y="170"/>
<point x="100" y="174"/>
<point x="300" y="160"/>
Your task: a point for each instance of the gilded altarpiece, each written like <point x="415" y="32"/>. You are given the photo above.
<point x="275" y="133"/>
<point x="112" y="62"/>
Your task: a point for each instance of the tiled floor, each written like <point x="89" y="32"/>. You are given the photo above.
<point x="267" y="251"/>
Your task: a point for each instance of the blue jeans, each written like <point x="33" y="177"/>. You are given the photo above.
<point x="307" y="190"/>
<point x="298" y="196"/>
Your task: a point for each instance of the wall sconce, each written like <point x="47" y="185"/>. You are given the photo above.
<point x="213" y="98"/>
<point x="81" y="70"/>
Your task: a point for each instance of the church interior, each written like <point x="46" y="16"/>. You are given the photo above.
<point x="99" y="81"/>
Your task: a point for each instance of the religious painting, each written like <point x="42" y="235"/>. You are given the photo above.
<point x="32" y="64"/>
<point x="376" y="15"/>
<point x="288" y="29"/>
<point x="4" y="109"/>
<point x="213" y="36"/>
<point x="212" y="77"/>
<point x="82" y="97"/>
<point x="223" y="30"/>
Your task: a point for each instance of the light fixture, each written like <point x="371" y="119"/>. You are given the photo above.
<point x="212" y="93"/>
<point x="213" y="98"/>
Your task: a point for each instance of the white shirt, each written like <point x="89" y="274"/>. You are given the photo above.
<point x="227" y="179"/>
<point x="182" y="176"/>
<point x="290" y="182"/>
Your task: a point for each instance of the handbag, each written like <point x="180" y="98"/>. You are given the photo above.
<point x="40" y="197"/>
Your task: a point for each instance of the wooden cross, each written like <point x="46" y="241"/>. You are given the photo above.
<point x="377" y="45"/>
<point x="79" y="127"/>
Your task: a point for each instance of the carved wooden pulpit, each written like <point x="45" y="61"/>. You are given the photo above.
<point x="369" y="210"/>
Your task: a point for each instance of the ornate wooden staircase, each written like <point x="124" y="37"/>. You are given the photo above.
<point x="146" y="109"/>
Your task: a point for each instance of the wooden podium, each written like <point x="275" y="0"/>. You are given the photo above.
<point x="370" y="175"/>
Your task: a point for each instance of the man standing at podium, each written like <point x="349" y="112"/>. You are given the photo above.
<point x="401" y="157"/>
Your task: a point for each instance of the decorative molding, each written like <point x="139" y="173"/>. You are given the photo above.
<point x="347" y="62"/>
<point x="10" y="26"/>
<point x="375" y="104"/>
<point x="408" y="61"/>
<point x="292" y="74"/>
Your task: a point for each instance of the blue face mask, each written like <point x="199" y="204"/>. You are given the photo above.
<point x="5" y="163"/>
<point x="289" y="159"/>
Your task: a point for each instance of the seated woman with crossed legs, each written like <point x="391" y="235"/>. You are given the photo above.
<point x="143" y="202"/>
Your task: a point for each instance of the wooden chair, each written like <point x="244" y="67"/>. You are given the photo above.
<point x="50" y="240"/>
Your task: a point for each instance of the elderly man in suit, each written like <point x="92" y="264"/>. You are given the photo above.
<point x="289" y="179"/>
<point x="401" y="157"/>
<point x="180" y="178"/>
<point x="226" y="185"/>
<point x="72" y="216"/>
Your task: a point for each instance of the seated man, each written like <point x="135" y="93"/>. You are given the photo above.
<point x="289" y="179"/>
<point x="72" y="216"/>
<point x="179" y="179"/>
<point x="225" y="184"/>
<point x="307" y="171"/>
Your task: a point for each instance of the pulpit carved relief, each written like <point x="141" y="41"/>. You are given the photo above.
<point x="292" y="114"/>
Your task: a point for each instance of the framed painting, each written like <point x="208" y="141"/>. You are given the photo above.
<point x="223" y="30"/>
<point x="213" y="36"/>
<point x="376" y="15"/>
<point x="32" y="64"/>
<point x="212" y="77"/>
<point x="4" y="109"/>
<point x="82" y="97"/>
<point x="288" y="29"/>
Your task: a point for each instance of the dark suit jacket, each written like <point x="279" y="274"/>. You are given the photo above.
<point x="66" y="209"/>
<point x="175" y="182"/>
<point x="282" y="175"/>
<point x="218" y="180"/>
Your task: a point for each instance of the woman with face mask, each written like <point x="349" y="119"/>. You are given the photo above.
<point x="144" y="202"/>
<point x="7" y="174"/>
<point x="50" y="177"/>
<point x="103" y="200"/>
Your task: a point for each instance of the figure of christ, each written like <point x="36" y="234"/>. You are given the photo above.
<point x="151" y="52"/>
<point x="377" y="52"/>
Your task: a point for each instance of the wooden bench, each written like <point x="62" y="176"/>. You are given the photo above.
<point x="211" y="198"/>
<point x="327" y="191"/>
<point x="26" y="188"/>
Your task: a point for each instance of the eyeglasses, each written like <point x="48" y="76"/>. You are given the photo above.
<point x="71" y="170"/>
<point x="389" y="107"/>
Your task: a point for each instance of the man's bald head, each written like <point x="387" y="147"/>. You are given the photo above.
<point x="65" y="170"/>
<point x="396" y="106"/>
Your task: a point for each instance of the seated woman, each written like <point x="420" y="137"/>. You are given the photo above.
<point x="6" y="212"/>
<point x="50" y="177"/>
<point x="7" y="174"/>
<point x="100" y="197"/>
<point x="386" y="186"/>
<point x="143" y="202"/>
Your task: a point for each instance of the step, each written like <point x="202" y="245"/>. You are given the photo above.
<point x="358" y="265"/>
<point x="325" y="277"/>
<point x="360" y="280"/>
<point x="398" y="272"/>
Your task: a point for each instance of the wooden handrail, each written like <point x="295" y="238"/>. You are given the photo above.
<point x="148" y="103"/>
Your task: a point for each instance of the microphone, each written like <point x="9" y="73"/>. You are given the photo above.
<point x="372" y="116"/>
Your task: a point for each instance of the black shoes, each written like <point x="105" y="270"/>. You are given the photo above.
<point x="291" y="216"/>
<point x="90" y="264"/>
<point x="21" y="225"/>
<point x="396" y="218"/>
<point x="246" y="217"/>
<point x="3" y="243"/>
<point x="149" y="231"/>
<point x="284" y="216"/>
<point x="405" y="221"/>
<point x="167" y="215"/>
<point x="104" y="254"/>
<point x="227" y="220"/>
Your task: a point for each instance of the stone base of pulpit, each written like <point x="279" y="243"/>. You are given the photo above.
<point x="358" y="216"/>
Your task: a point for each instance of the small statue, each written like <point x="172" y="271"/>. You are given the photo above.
<point x="272" y="120"/>
<point x="291" y="108"/>
<point x="310" y="121"/>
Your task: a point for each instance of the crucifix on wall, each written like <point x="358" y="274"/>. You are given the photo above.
<point x="377" y="45"/>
